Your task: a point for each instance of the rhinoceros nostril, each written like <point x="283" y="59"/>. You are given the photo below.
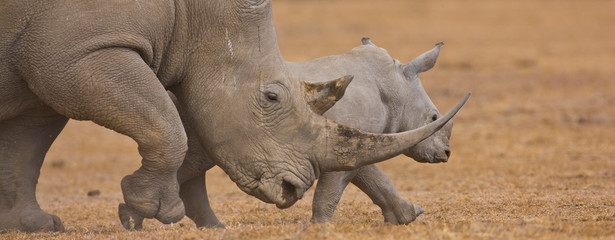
<point x="448" y="153"/>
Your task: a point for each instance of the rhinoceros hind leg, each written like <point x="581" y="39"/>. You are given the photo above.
<point x="24" y="141"/>
<point x="328" y="193"/>
<point x="194" y="194"/>
<point x="30" y="219"/>
<point x="396" y="210"/>
<point x="36" y="220"/>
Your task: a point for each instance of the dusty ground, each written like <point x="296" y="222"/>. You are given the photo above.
<point x="533" y="153"/>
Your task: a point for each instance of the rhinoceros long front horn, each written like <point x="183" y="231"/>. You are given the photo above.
<point x="348" y="149"/>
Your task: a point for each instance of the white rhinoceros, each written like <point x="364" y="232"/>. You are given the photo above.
<point x="385" y="96"/>
<point x="400" y="104"/>
<point x="111" y="62"/>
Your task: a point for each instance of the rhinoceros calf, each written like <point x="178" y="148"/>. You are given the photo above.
<point x="385" y="96"/>
<point x="111" y="62"/>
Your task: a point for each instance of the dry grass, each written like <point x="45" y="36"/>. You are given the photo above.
<point x="533" y="153"/>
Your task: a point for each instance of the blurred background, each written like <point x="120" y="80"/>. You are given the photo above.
<point x="533" y="151"/>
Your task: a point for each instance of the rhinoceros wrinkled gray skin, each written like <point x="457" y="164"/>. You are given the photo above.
<point x="112" y="62"/>
<point x="385" y="96"/>
<point x="401" y="104"/>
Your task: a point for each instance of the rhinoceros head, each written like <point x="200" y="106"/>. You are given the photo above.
<point x="436" y="148"/>
<point x="410" y="105"/>
<point x="257" y="122"/>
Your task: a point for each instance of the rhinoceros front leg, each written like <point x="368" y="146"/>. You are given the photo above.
<point x="328" y="193"/>
<point x="194" y="194"/>
<point x="24" y="141"/>
<point x="370" y="180"/>
<point x="116" y="89"/>
<point x="191" y="176"/>
<point x="396" y="210"/>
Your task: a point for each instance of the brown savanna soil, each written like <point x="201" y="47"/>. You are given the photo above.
<point x="533" y="153"/>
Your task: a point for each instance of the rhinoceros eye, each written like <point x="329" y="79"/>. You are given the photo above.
<point x="434" y="117"/>
<point x="271" y="96"/>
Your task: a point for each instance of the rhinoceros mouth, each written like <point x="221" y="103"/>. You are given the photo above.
<point x="442" y="156"/>
<point x="435" y="157"/>
<point x="284" y="192"/>
<point x="289" y="195"/>
<point x="292" y="191"/>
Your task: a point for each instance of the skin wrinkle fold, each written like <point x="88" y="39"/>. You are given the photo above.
<point x="288" y="167"/>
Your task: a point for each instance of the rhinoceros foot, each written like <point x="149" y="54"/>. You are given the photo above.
<point x="404" y="212"/>
<point x="152" y="195"/>
<point x="217" y="224"/>
<point x="31" y="220"/>
<point x="129" y="218"/>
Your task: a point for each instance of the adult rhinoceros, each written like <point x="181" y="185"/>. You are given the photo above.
<point x="111" y="62"/>
<point x="385" y="96"/>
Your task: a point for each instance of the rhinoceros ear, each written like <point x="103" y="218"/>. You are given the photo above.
<point x="323" y="95"/>
<point x="367" y="41"/>
<point x="424" y="62"/>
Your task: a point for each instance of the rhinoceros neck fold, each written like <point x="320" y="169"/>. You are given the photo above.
<point x="209" y="36"/>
